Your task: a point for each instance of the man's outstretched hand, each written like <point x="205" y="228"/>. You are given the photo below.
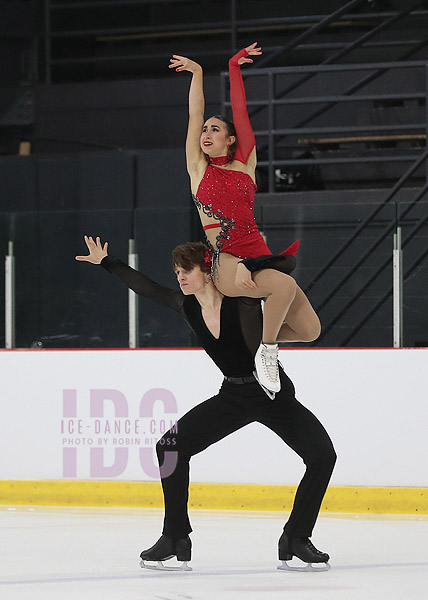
<point x="96" y="251"/>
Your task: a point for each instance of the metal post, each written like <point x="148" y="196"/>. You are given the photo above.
<point x="132" y="299"/>
<point x="233" y="26"/>
<point x="397" y="290"/>
<point x="271" y="127"/>
<point x="47" y="33"/>
<point x="9" y="310"/>
<point x="223" y="94"/>
<point x="426" y="115"/>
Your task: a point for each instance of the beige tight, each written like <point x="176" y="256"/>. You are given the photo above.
<point x="288" y="315"/>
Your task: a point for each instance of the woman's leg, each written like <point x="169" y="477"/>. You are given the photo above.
<point x="285" y="301"/>
<point x="301" y="323"/>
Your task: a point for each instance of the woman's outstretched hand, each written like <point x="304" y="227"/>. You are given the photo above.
<point x="96" y="251"/>
<point x="252" y="50"/>
<point x="182" y="63"/>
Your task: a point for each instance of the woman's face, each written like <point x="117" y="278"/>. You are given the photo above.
<point x="215" y="141"/>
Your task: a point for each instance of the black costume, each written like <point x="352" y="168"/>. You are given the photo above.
<point x="237" y="404"/>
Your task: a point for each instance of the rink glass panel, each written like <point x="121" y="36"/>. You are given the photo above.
<point x="61" y="303"/>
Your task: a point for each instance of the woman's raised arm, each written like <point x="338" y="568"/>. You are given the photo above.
<point x="194" y="155"/>
<point x="245" y="151"/>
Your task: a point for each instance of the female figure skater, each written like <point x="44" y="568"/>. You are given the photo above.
<point x="221" y="162"/>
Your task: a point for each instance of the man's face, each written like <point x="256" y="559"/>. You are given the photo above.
<point x="192" y="281"/>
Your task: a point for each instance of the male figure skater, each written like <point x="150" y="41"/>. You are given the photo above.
<point x="229" y="329"/>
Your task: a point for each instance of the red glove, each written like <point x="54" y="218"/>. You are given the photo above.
<point x="244" y="131"/>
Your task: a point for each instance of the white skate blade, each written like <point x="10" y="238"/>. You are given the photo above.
<point x="308" y="568"/>
<point x="159" y="566"/>
<point x="270" y="395"/>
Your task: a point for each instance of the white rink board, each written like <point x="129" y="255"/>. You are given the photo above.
<point x="372" y="402"/>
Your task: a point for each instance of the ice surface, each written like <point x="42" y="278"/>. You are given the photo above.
<point x="68" y="553"/>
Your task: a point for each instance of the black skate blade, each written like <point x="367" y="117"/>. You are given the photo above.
<point x="308" y="568"/>
<point x="159" y="566"/>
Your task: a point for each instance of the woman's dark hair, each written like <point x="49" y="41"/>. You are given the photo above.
<point x="230" y="128"/>
<point x="190" y="255"/>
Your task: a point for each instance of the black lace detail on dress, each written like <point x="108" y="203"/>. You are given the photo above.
<point x="226" y="225"/>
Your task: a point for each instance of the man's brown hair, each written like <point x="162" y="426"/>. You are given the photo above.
<point x="190" y="255"/>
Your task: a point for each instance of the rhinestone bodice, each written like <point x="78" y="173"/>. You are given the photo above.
<point x="227" y="196"/>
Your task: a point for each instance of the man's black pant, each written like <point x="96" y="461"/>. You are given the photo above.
<point x="232" y="408"/>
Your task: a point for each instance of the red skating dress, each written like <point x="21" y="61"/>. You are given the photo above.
<point x="227" y="195"/>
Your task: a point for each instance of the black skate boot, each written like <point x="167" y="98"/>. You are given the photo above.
<point x="304" y="549"/>
<point x="164" y="549"/>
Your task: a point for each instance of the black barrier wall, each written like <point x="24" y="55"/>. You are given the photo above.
<point x="51" y="202"/>
<point x="63" y="303"/>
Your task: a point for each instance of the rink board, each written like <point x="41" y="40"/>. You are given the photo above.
<point x="86" y="417"/>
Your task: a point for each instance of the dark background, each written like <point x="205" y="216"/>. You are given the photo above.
<point x="85" y="86"/>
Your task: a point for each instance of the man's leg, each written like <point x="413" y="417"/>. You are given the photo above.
<point x="198" y="429"/>
<point x="303" y="432"/>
